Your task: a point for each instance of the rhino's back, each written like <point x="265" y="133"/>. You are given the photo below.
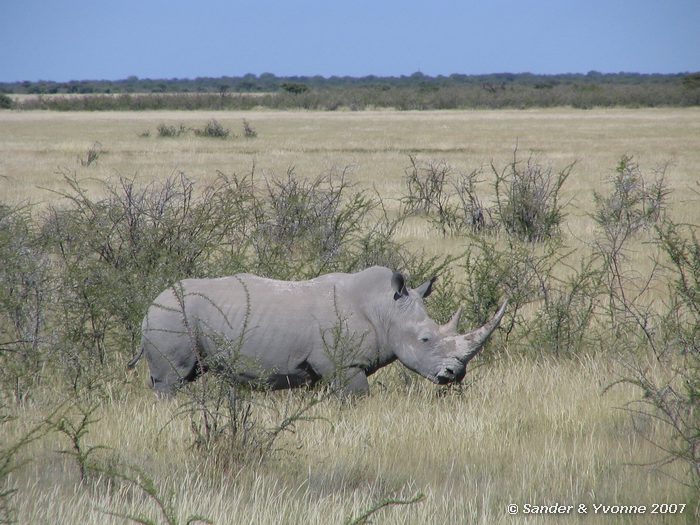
<point x="248" y="298"/>
<point x="312" y="297"/>
<point x="261" y="295"/>
<point x="277" y="323"/>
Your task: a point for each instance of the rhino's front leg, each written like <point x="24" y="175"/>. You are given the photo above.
<point x="345" y="380"/>
<point x="352" y="382"/>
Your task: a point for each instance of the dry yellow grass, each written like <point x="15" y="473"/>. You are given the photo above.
<point x="527" y="431"/>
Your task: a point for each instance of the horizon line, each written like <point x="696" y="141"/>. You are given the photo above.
<point x="417" y="73"/>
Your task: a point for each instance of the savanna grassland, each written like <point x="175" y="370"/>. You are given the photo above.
<point x="530" y="425"/>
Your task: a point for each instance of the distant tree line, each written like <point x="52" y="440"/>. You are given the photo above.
<point x="416" y="91"/>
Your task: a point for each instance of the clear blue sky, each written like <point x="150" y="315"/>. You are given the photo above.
<point x="99" y="39"/>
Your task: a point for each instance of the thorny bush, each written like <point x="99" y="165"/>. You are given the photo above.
<point x="527" y="205"/>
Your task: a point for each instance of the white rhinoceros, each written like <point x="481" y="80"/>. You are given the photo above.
<point x="285" y="334"/>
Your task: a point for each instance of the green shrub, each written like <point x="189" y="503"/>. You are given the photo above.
<point x="213" y="129"/>
<point x="563" y="322"/>
<point x="669" y="338"/>
<point x="25" y="292"/>
<point x="171" y="131"/>
<point x="304" y="228"/>
<point x="5" y="101"/>
<point x="527" y="198"/>
<point x="294" y="88"/>
<point x="428" y="186"/>
<point x="635" y="202"/>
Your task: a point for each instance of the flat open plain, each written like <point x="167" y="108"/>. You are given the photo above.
<point x="374" y="145"/>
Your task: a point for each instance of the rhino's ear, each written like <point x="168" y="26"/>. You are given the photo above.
<point x="424" y="289"/>
<point x="398" y="283"/>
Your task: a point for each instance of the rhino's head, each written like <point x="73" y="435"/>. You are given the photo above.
<point x="436" y="352"/>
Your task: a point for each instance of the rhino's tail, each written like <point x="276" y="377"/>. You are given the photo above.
<point x="135" y="359"/>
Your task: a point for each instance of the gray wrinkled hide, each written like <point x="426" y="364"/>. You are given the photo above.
<point x="339" y="327"/>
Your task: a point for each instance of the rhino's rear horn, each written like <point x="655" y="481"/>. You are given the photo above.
<point x="451" y="327"/>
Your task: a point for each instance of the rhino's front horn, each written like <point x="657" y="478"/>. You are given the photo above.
<point x="474" y="340"/>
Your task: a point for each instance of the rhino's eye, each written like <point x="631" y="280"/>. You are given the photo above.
<point x="425" y="339"/>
